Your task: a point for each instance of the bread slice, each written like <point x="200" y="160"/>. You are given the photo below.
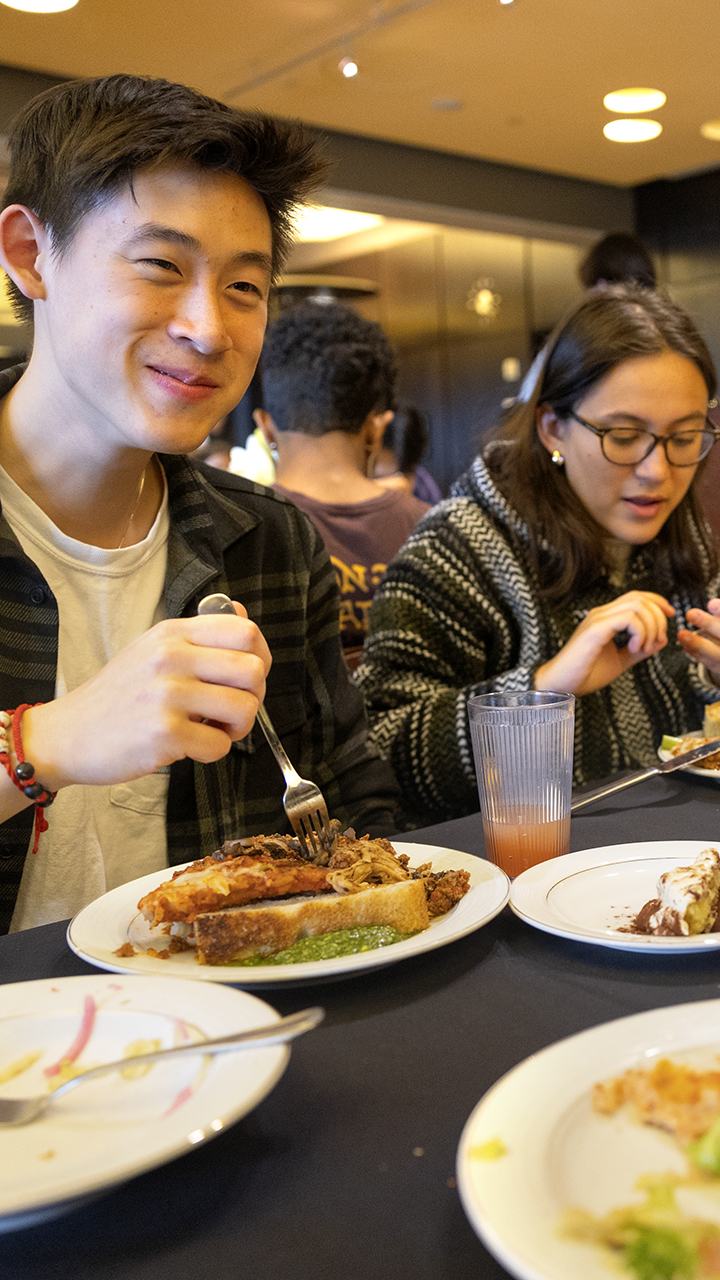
<point x="711" y="723"/>
<point x="262" y="928"/>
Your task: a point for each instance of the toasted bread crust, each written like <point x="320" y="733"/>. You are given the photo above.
<point x="237" y="933"/>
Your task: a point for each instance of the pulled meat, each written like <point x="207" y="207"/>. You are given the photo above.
<point x="277" y="846"/>
<point x="363" y="864"/>
<point x="444" y="889"/>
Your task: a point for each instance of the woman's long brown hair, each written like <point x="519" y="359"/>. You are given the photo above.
<point x="608" y="327"/>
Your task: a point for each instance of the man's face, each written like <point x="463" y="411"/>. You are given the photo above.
<point x="154" y="316"/>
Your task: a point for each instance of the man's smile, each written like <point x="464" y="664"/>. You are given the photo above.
<point x="183" y="383"/>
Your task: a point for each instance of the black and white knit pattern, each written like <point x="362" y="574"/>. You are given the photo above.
<point x="459" y="612"/>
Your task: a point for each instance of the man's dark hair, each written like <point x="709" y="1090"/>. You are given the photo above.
<point x="77" y="144"/>
<point x="325" y="368"/>
<point x="617" y="259"/>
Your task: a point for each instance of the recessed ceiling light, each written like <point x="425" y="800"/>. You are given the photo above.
<point x="711" y="130"/>
<point x="632" y="130"/>
<point x="320" y="223"/>
<point x="349" y="67"/>
<point x="633" y="100"/>
<point x="40" y="6"/>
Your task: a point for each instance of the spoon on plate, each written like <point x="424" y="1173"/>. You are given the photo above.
<point x="18" y="1111"/>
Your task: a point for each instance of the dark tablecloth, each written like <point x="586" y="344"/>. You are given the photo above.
<point x="325" y="1180"/>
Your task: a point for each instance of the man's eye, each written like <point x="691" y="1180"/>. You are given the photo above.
<point x="244" y="286"/>
<point x="162" y="263"/>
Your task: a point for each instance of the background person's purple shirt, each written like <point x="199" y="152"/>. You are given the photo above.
<point x="361" y="539"/>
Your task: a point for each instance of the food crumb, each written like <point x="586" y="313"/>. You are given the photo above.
<point x="418" y="1151"/>
<point x="127" y="949"/>
<point x="159" y="955"/>
<point x="491" y="1150"/>
<point x="46" y="1155"/>
<point x="452" y="1182"/>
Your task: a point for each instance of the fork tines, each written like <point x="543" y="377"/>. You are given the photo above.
<point x="313" y="829"/>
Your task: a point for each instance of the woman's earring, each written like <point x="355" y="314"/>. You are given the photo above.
<point x="273" y="452"/>
<point x="557" y="458"/>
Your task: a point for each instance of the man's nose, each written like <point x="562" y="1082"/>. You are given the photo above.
<point x="199" y="319"/>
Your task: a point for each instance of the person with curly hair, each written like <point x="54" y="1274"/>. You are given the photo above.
<point x="328" y="387"/>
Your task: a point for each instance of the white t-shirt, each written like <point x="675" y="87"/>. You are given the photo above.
<point x="98" y="836"/>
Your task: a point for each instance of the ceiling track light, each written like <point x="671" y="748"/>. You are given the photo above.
<point x="629" y="130"/>
<point x="348" y="67"/>
<point x="634" y="101"/>
<point x="40" y="6"/>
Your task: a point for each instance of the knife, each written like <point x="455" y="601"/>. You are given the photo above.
<point x="667" y="766"/>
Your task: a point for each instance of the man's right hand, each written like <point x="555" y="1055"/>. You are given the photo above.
<point x="188" y="687"/>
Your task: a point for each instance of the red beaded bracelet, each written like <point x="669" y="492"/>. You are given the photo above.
<point x="23" y="775"/>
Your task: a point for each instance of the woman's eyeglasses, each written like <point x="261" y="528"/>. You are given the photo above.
<point x="627" y="446"/>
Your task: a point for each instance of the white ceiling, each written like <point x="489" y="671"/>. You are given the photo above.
<point x="531" y="75"/>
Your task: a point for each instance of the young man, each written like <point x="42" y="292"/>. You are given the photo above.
<point x="141" y="227"/>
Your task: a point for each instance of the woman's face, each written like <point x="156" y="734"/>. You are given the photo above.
<point x="662" y="394"/>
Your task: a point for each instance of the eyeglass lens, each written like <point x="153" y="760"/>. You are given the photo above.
<point x="683" y="448"/>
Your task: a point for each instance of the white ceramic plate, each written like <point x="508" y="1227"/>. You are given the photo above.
<point x="100" y="928"/>
<point x="114" y="1128"/>
<point x="560" y="1154"/>
<point x="710" y="775"/>
<point x="589" y="896"/>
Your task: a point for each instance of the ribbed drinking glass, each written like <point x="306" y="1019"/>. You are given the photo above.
<point x="523" y="748"/>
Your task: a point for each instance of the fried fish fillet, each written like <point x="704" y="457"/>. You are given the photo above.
<point x="208" y="885"/>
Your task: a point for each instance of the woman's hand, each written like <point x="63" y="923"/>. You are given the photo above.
<point x="590" y="660"/>
<point x="187" y="687"/>
<point x="704" y="645"/>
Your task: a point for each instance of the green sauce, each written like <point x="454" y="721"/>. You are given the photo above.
<point x="326" y="946"/>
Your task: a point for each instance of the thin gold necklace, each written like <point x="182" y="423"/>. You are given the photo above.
<point x="135" y="507"/>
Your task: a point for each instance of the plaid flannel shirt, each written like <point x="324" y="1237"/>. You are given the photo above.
<point x="226" y="534"/>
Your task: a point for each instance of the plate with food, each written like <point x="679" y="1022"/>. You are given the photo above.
<point x="600" y="1155"/>
<point x="655" y="895"/>
<point x="709" y="768"/>
<point x="119" y="1125"/>
<point x="258" y="912"/>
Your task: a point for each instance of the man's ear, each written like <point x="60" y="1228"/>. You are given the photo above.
<point x="23" y="242"/>
<point x="262" y="419"/>
<point x="549" y="427"/>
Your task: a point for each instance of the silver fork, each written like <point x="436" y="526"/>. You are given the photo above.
<point x="17" y="1111"/>
<point x="303" y="800"/>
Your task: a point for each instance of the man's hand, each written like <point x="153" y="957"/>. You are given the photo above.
<point x="590" y="660"/>
<point x="703" y="645"/>
<point x="187" y="687"/>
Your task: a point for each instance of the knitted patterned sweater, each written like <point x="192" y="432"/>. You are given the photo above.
<point x="459" y="612"/>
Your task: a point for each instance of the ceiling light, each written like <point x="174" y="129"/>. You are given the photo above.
<point x="40" y="6"/>
<point x="318" y="223"/>
<point x="448" y="104"/>
<point x="632" y="130"/>
<point x="633" y="100"/>
<point x="349" y="67"/>
<point x="711" y="130"/>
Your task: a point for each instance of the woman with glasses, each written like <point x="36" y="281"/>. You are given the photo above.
<point x="572" y="556"/>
